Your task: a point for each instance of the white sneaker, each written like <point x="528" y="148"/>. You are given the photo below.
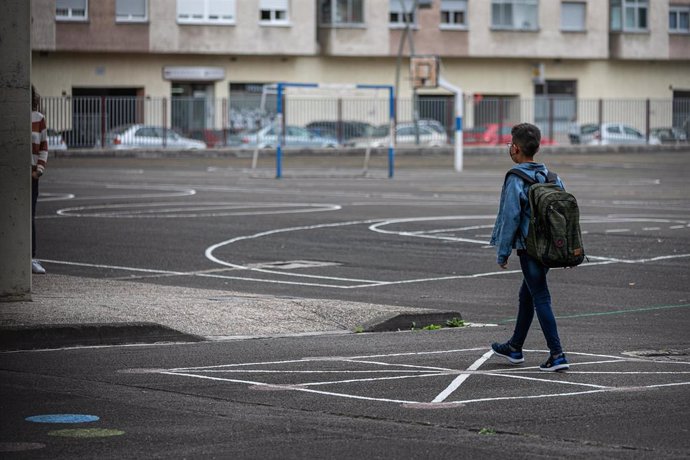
<point x="37" y="268"/>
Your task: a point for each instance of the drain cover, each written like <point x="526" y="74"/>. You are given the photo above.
<point x="293" y="264"/>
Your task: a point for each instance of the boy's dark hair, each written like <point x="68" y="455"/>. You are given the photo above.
<point x="35" y="98"/>
<point x="528" y="137"/>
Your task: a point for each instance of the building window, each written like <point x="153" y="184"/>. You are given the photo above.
<point x="629" y="15"/>
<point x="515" y="14"/>
<point x="131" y="10"/>
<point x="679" y="19"/>
<point x="341" y="12"/>
<point x="274" y="11"/>
<point x="72" y="10"/>
<point x="206" y="11"/>
<point x="454" y="13"/>
<point x="400" y="13"/>
<point x="573" y="16"/>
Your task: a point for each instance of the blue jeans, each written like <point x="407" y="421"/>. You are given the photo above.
<point x="535" y="296"/>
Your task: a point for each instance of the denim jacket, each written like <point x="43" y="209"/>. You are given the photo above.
<point x="512" y="221"/>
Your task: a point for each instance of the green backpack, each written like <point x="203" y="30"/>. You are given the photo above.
<point x="554" y="237"/>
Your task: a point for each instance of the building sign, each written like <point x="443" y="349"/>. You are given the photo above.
<point x="193" y="73"/>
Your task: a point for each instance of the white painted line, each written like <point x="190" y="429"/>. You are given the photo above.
<point x="650" y="229"/>
<point x="460" y="379"/>
<point x="544" y="380"/>
<point x="617" y="230"/>
<point x="411" y="371"/>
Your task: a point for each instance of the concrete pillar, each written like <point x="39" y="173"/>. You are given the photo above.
<point x="15" y="150"/>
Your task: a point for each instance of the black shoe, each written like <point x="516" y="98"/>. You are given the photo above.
<point x="559" y="363"/>
<point x="506" y="351"/>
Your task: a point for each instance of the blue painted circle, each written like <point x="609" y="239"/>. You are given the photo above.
<point x="62" y="418"/>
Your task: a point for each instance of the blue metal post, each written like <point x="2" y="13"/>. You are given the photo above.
<point x="391" y="148"/>
<point x="279" y="130"/>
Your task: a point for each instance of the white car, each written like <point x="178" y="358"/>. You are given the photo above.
<point x="146" y="136"/>
<point x="614" y="133"/>
<point x="55" y="141"/>
<point x="405" y="135"/>
<point x="295" y="136"/>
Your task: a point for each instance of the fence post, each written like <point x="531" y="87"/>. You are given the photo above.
<point x="102" y="122"/>
<point x="551" y="118"/>
<point x="165" y="122"/>
<point x="224" y="107"/>
<point x="647" y="119"/>
<point x="600" y="115"/>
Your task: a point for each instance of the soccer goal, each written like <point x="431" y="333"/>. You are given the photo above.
<point x="331" y="118"/>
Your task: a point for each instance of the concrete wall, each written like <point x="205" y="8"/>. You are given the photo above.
<point x="15" y="161"/>
<point x="56" y="73"/>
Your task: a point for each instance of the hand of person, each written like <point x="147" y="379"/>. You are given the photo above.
<point x="504" y="265"/>
<point x="35" y="175"/>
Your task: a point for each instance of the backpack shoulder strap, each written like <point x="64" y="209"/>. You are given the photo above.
<point x="522" y="175"/>
<point x="551" y="177"/>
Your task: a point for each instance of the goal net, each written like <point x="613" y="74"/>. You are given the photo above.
<point x="325" y="129"/>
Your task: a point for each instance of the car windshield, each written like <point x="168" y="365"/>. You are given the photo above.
<point x="589" y="129"/>
<point x="380" y="131"/>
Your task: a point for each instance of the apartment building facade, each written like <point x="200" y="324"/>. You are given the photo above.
<point x="210" y="49"/>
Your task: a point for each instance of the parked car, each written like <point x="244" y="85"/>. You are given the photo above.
<point x="295" y="136"/>
<point x="614" y="133"/>
<point x="55" y="141"/>
<point x="343" y="130"/>
<point x="582" y="134"/>
<point x="146" y="136"/>
<point x="667" y="136"/>
<point x="493" y="134"/>
<point x="405" y="134"/>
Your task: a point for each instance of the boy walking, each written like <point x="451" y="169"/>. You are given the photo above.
<point x="510" y="230"/>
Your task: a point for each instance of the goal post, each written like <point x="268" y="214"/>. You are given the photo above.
<point x="281" y="88"/>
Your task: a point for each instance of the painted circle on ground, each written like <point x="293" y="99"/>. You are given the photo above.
<point x="20" y="446"/>
<point x="63" y="418"/>
<point x="86" y="433"/>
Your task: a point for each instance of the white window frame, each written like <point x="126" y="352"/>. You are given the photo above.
<point x="677" y="10"/>
<point x="578" y="28"/>
<point x="394" y="8"/>
<point x="514" y="6"/>
<point x="204" y="17"/>
<point x="274" y="8"/>
<point x="129" y="17"/>
<point x="333" y="20"/>
<point x="68" y="14"/>
<point x="452" y="7"/>
<point x="619" y="14"/>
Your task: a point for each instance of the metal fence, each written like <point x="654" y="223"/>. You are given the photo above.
<point x="96" y="122"/>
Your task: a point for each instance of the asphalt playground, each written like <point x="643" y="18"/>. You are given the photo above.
<point x="332" y="235"/>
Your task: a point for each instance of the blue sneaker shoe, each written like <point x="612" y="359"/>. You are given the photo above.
<point x="506" y="351"/>
<point x="559" y="363"/>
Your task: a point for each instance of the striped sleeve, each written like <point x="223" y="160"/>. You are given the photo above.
<point x="39" y="141"/>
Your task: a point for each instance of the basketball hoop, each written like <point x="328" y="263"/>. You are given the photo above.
<point x="424" y="71"/>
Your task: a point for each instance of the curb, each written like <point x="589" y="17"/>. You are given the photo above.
<point x="67" y="335"/>
<point x="406" y="321"/>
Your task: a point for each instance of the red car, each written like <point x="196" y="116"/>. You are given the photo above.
<point x="493" y="134"/>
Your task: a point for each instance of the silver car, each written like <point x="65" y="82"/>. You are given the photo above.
<point x="295" y="136"/>
<point x="614" y="133"/>
<point x="146" y="136"/>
